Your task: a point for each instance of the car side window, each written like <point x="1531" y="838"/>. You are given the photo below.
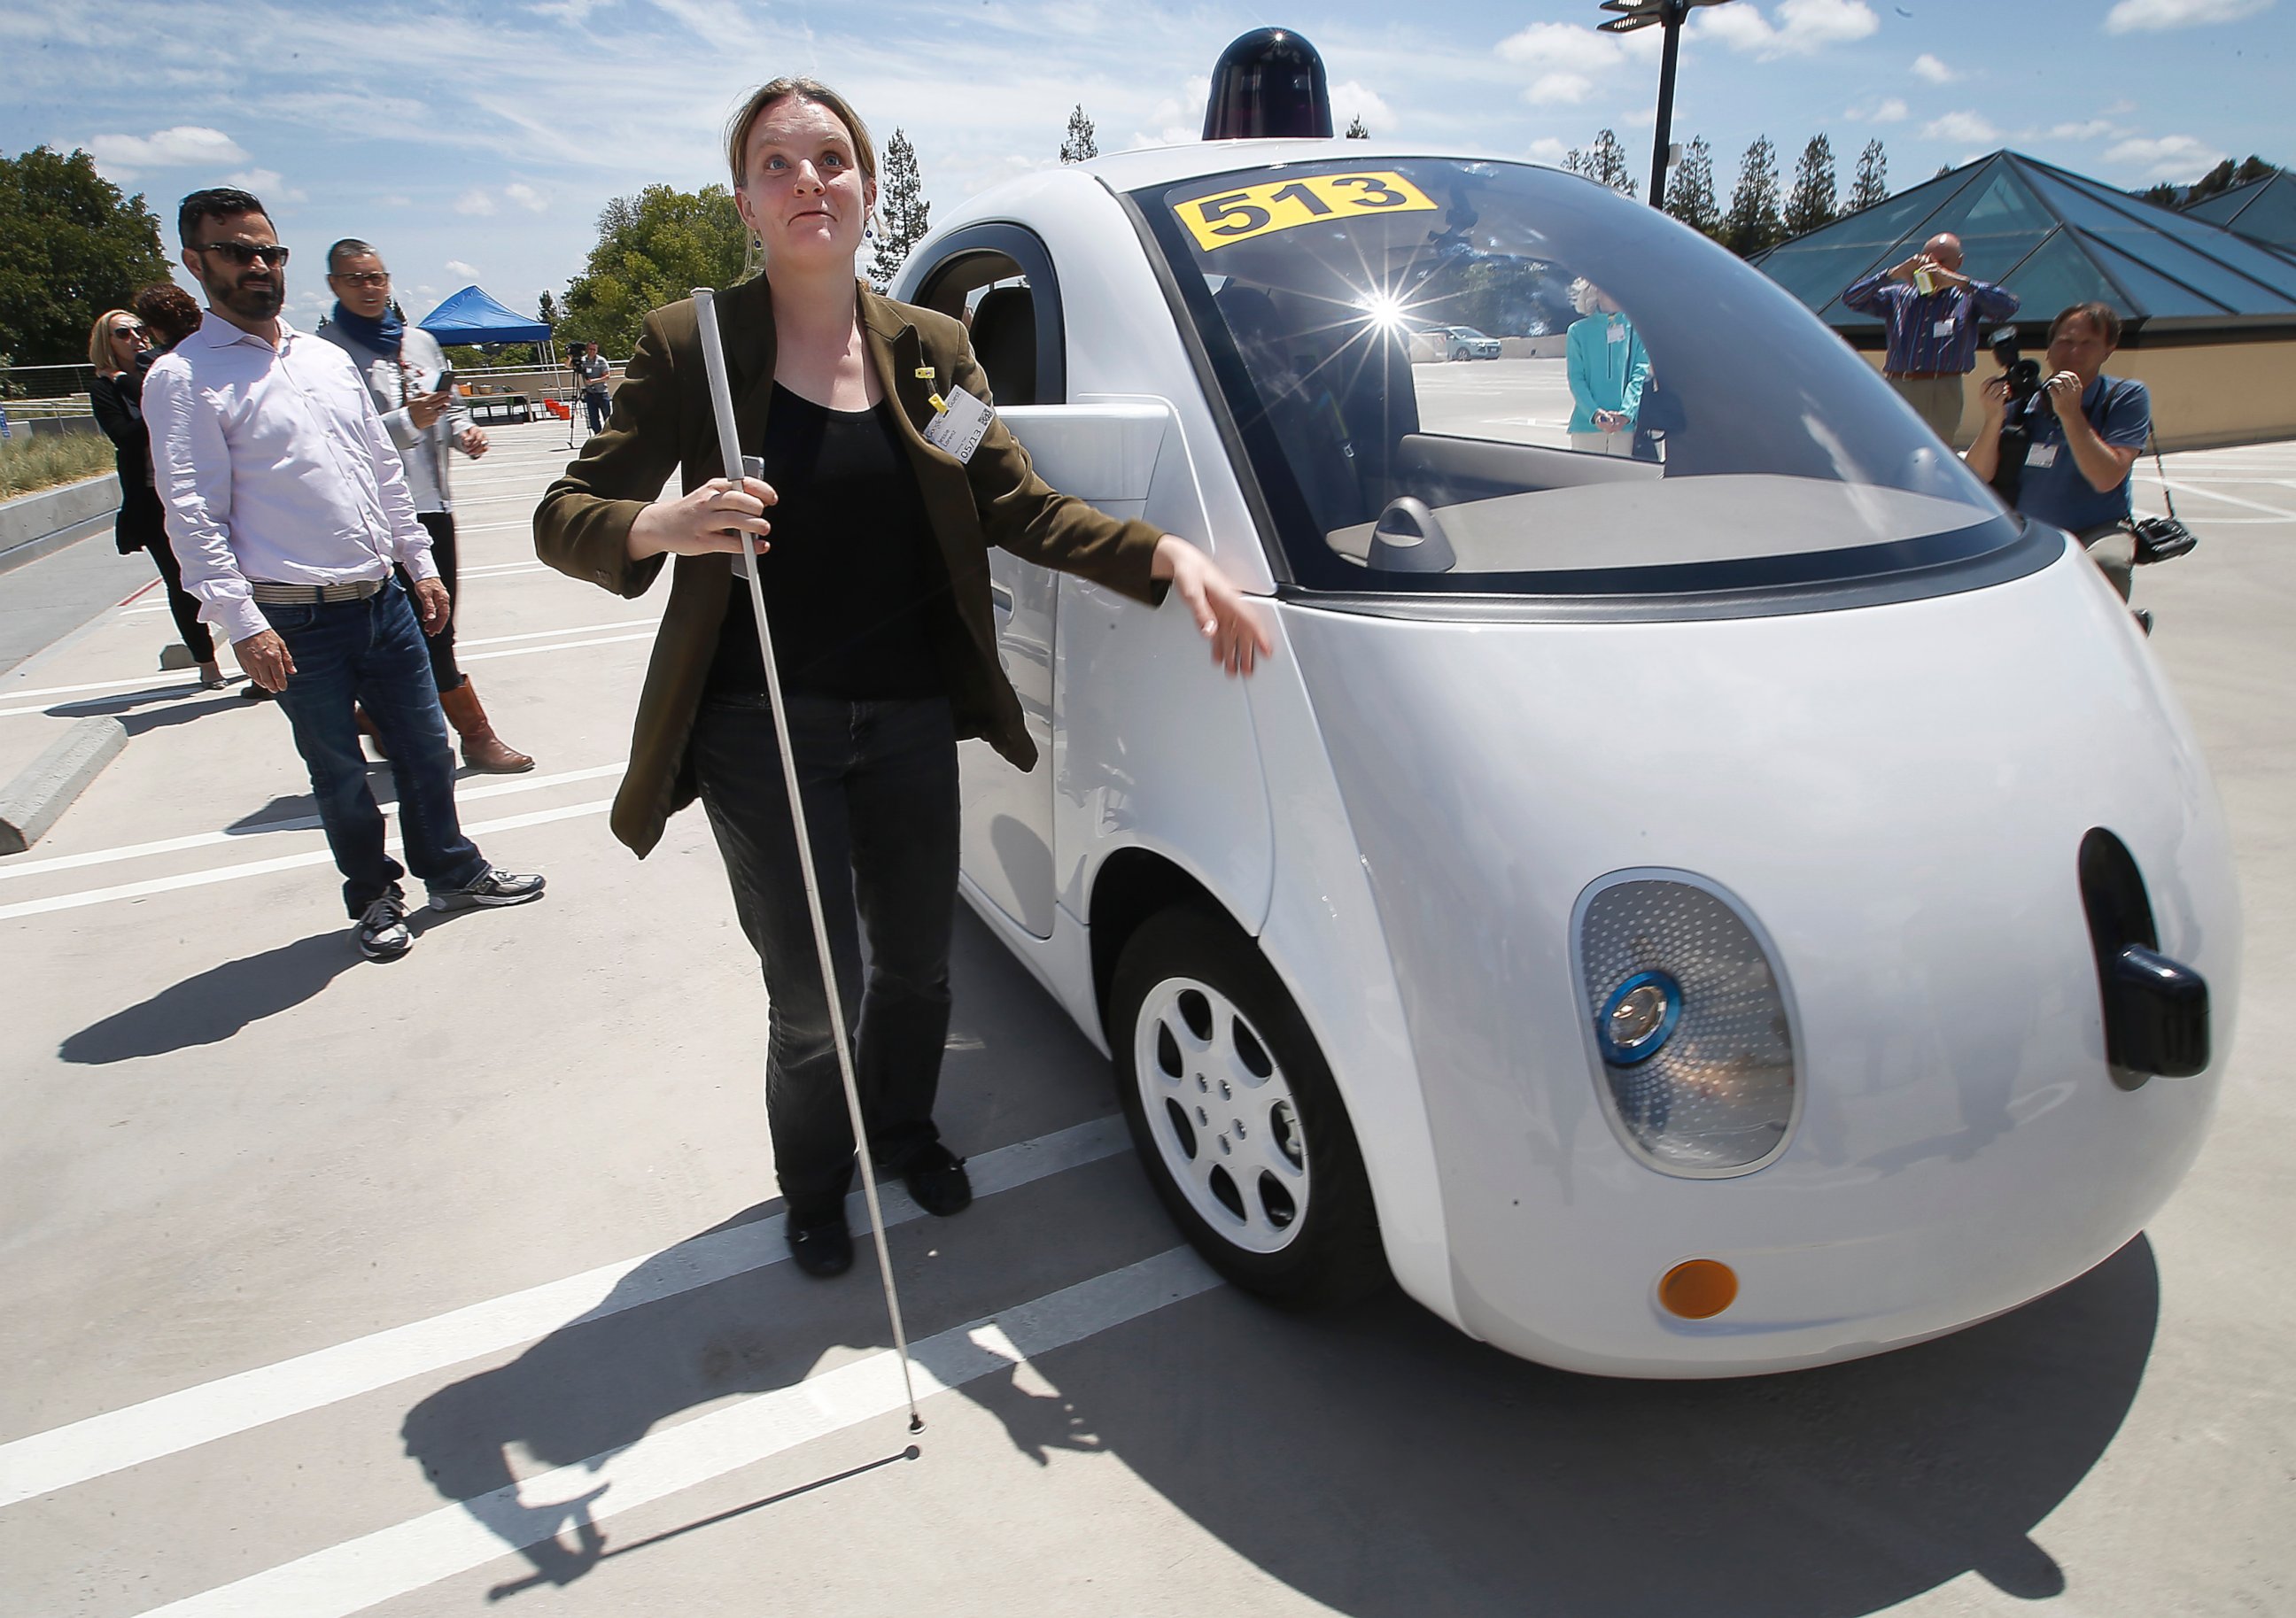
<point x="998" y="280"/>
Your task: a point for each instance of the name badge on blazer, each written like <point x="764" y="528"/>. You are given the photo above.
<point x="958" y="422"/>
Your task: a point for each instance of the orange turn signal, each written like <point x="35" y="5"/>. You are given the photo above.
<point x="1698" y="1288"/>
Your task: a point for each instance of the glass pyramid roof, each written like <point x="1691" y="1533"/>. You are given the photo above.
<point x="2262" y="210"/>
<point x="2054" y="238"/>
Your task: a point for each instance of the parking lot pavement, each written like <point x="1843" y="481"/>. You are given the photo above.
<point x="456" y="1285"/>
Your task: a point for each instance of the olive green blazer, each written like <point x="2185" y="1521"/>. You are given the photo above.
<point x="662" y="423"/>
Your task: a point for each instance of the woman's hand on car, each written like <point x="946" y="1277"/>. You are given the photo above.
<point x="1222" y="612"/>
<point x="714" y="518"/>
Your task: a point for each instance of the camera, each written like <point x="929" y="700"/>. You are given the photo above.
<point x="2016" y="438"/>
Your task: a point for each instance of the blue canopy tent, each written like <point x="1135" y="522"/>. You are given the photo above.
<point x="471" y="316"/>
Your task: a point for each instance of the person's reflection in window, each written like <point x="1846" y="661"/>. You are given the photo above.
<point x="1603" y="357"/>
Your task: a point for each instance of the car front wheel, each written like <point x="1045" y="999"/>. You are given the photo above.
<point x="1236" y="1117"/>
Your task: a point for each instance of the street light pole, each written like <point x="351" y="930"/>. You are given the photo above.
<point x="1669" y="16"/>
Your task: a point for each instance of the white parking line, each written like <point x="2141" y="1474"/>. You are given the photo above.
<point x="63" y="1457"/>
<point x="362" y="1573"/>
<point x="463" y="794"/>
<point x="258" y="868"/>
<point x="2182" y="487"/>
<point x="521" y="651"/>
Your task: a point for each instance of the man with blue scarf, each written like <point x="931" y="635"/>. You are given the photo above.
<point x="405" y="371"/>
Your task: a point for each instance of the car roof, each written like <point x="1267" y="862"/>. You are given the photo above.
<point x="1163" y="165"/>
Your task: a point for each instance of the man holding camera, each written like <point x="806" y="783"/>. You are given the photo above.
<point x="2081" y="432"/>
<point x="1932" y="311"/>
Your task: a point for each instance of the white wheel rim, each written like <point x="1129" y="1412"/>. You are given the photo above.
<point x="1225" y="1121"/>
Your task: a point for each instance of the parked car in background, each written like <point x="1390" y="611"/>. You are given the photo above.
<point x="1465" y="343"/>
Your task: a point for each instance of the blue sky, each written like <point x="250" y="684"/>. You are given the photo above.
<point x="476" y="141"/>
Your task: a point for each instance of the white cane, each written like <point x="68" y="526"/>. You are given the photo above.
<point x="729" y="444"/>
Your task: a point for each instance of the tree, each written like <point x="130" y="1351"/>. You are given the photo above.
<point x="1752" y="223"/>
<point x="653" y="249"/>
<point x="1690" y="194"/>
<point x="2224" y="177"/>
<point x="71" y="246"/>
<point x="902" y="209"/>
<point x="1606" y="165"/>
<point x="1873" y="185"/>
<point x="546" y="310"/>
<point x="1355" y="129"/>
<point x="2163" y="196"/>
<point x="1575" y="161"/>
<point x="1080" y="146"/>
<point x="1812" y="207"/>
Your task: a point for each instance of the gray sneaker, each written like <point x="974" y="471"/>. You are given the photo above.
<point x="381" y="931"/>
<point x="494" y="886"/>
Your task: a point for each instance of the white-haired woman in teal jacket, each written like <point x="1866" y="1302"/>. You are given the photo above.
<point x="1608" y="368"/>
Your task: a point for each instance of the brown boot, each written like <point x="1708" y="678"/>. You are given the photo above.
<point x="482" y="750"/>
<point x="367" y="729"/>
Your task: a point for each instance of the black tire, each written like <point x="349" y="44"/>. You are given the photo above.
<point x="1327" y="1250"/>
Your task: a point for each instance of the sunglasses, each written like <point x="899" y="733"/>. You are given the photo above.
<point x="366" y="278"/>
<point x="242" y="255"/>
<point x="129" y="334"/>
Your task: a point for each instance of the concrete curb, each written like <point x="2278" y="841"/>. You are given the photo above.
<point x="34" y="801"/>
<point x="36" y="525"/>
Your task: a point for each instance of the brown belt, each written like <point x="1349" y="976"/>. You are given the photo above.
<point x="1921" y="376"/>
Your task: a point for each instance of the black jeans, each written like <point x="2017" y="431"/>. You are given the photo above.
<point x="181" y="603"/>
<point x="879" y="780"/>
<point x="440" y="525"/>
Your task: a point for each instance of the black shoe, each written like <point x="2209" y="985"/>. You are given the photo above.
<point x="822" y="1246"/>
<point x="937" y="1178"/>
<point x="381" y="930"/>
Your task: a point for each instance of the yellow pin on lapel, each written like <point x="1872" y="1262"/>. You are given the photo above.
<point x="939" y="404"/>
<point x="924" y="373"/>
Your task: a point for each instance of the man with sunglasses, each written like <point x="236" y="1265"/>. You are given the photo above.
<point x="287" y="506"/>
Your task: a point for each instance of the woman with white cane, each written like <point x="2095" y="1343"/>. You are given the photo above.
<point x="876" y="590"/>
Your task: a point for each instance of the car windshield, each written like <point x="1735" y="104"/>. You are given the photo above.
<point x="1661" y="417"/>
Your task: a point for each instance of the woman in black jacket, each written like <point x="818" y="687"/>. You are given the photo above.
<point x="119" y="348"/>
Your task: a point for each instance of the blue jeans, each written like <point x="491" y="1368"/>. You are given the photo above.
<point x="881" y="801"/>
<point x="371" y="653"/>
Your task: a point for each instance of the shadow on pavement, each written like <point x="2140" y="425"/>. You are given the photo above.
<point x="1374" y="1459"/>
<point x="1381" y="1464"/>
<point x="213" y="1005"/>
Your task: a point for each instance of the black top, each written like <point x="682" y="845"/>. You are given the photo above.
<point x="855" y="591"/>
<point x="118" y="402"/>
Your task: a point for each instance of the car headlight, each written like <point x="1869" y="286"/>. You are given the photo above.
<point x="1693" y="1038"/>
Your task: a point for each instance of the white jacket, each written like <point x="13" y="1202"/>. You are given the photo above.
<point x="417" y="369"/>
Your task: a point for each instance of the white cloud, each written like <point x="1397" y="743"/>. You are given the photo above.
<point x="1890" y="111"/>
<point x="1961" y="127"/>
<point x="1566" y="88"/>
<point x="2154" y="16"/>
<point x="1563" y="48"/>
<point x="181" y="147"/>
<point x="268" y="184"/>
<point x="468" y="272"/>
<point x="1545" y="150"/>
<point x="2170" y="157"/>
<point x="2092" y="129"/>
<point x="1811" y="25"/>
<point x="474" y="201"/>
<point x="1351" y="101"/>
<point x="1931" y="71"/>
<point x="526" y="196"/>
<point x="1803" y="29"/>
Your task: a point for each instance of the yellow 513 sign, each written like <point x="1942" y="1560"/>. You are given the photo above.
<point x="1283" y="205"/>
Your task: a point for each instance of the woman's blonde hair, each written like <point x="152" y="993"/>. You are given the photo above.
<point x="1583" y="294"/>
<point x="99" y="342"/>
<point x="737" y="142"/>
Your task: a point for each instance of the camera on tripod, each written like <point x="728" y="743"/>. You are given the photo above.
<point x="2025" y="378"/>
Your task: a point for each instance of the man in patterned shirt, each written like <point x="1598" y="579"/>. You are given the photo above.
<point x="1932" y="311"/>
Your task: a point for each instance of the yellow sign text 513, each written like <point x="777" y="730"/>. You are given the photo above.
<point x="1283" y="205"/>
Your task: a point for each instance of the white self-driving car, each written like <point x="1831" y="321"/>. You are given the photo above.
<point x="1740" y="901"/>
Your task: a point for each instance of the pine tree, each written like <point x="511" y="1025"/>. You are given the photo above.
<point x="1606" y="165"/>
<point x="1080" y="146"/>
<point x="1690" y="194"/>
<point x="1355" y="129"/>
<point x="546" y="310"/>
<point x="1873" y="178"/>
<point x="1574" y="161"/>
<point x="901" y="210"/>
<point x="1752" y="223"/>
<point x="1812" y="207"/>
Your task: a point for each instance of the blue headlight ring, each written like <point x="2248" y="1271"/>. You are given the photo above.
<point x="1612" y="1052"/>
